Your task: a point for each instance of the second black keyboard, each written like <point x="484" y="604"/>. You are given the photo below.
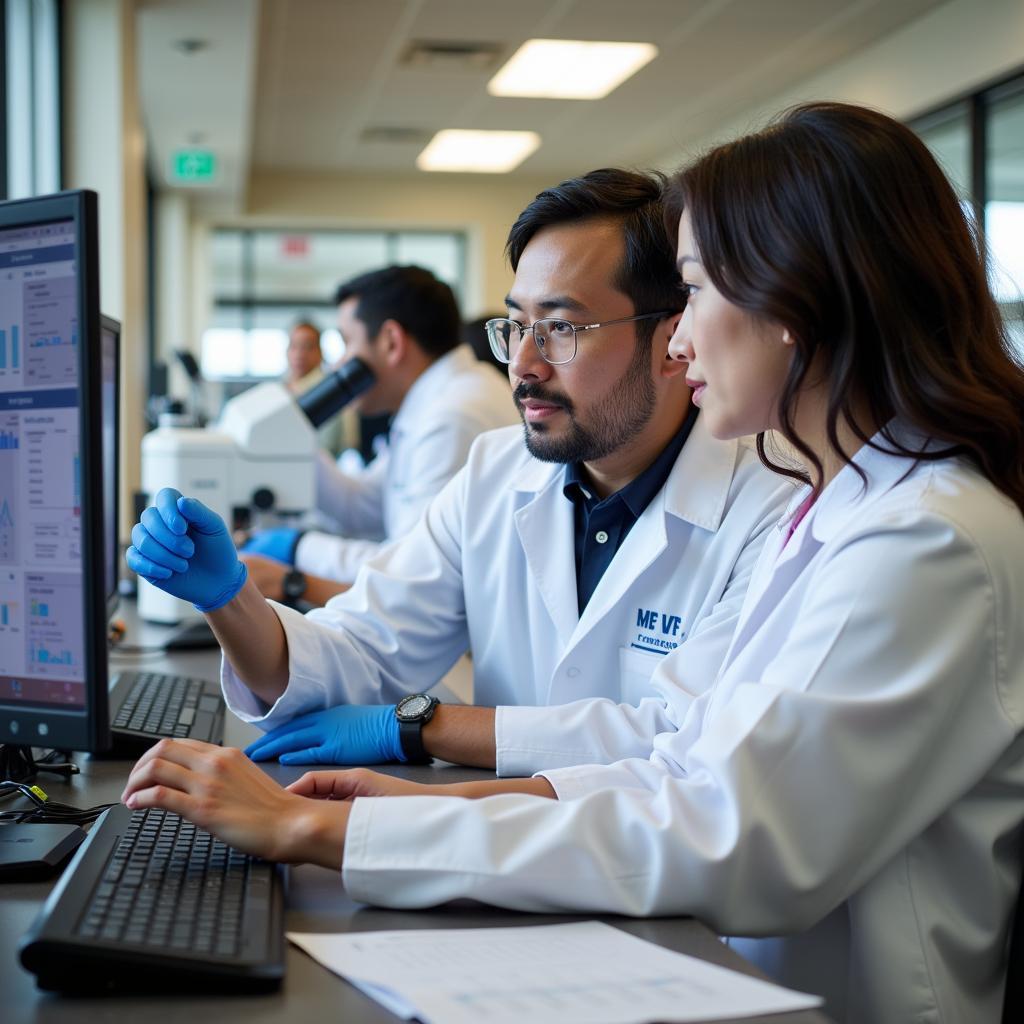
<point x="147" y="706"/>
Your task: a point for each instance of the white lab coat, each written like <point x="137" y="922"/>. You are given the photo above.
<point x="491" y="569"/>
<point x="454" y="400"/>
<point x="853" y="782"/>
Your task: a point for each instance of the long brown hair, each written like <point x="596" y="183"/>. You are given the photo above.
<point x="837" y="223"/>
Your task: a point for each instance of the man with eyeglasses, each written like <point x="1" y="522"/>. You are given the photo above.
<point x="569" y="567"/>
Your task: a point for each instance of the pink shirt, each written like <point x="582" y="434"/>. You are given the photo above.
<point x="798" y="515"/>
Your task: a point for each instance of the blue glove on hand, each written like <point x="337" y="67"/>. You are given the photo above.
<point x="183" y="548"/>
<point x="278" y="543"/>
<point x="347" y="734"/>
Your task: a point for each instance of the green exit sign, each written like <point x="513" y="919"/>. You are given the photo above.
<point x="194" y="165"/>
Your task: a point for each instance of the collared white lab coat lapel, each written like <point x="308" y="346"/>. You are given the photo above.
<point x="696" y="491"/>
<point x="782" y="564"/>
<point x="545" y="528"/>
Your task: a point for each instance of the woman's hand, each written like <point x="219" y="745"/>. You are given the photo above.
<point x="354" y="782"/>
<point x="221" y="790"/>
<point x="347" y="785"/>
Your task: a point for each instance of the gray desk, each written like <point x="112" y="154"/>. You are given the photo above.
<point x="316" y="902"/>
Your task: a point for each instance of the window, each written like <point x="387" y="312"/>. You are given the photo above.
<point x="265" y="280"/>
<point x="1004" y="206"/>
<point x="979" y="141"/>
<point x="31" y="95"/>
<point x="948" y="135"/>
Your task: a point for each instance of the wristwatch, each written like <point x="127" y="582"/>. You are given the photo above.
<point x="293" y="586"/>
<point x="413" y="712"/>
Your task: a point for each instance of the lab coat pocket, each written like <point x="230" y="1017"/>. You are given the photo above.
<point x="635" y="671"/>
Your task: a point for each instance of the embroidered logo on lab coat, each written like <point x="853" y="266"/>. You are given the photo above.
<point x="657" y="632"/>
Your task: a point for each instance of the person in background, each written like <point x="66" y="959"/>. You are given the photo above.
<point x="568" y="565"/>
<point x="305" y="369"/>
<point x="404" y="323"/>
<point x="849" y="793"/>
<point x="304" y="357"/>
<point x="474" y="334"/>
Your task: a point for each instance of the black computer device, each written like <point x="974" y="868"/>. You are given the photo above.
<point x="149" y="899"/>
<point x="59" y="396"/>
<point x="54" y="597"/>
<point x="151" y="902"/>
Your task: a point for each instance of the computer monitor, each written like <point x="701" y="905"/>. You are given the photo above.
<point x="55" y="571"/>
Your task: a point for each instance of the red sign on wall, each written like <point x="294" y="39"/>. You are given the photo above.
<point x="295" y="246"/>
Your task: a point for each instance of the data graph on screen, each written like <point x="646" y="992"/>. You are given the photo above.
<point x="9" y="448"/>
<point x="54" y="624"/>
<point x="51" y="331"/>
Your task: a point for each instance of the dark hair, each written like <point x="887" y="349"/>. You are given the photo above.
<point x="474" y="334"/>
<point x="647" y="274"/>
<point x="837" y="223"/>
<point x="303" y="321"/>
<point x="412" y="296"/>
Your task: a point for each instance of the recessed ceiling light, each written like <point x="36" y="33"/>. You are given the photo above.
<point x="569" y="69"/>
<point x="454" y="149"/>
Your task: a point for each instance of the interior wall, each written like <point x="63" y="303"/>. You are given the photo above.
<point x="954" y="50"/>
<point x="104" y="150"/>
<point x="482" y="208"/>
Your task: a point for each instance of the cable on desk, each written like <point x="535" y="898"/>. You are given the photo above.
<point x="45" y="810"/>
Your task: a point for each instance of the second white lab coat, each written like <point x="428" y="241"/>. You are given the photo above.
<point x="491" y="568"/>
<point x="454" y="400"/>
<point x="850" y="791"/>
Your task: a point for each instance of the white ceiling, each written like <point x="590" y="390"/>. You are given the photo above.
<point x="296" y="84"/>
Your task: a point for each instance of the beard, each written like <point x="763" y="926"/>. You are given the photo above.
<point x="622" y="414"/>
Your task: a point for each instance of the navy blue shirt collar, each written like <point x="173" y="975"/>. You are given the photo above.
<point x="600" y="525"/>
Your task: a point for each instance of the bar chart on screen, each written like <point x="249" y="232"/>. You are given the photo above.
<point x="12" y="606"/>
<point x="51" y="331"/>
<point x="53" y="628"/>
<point x="9" y="452"/>
<point x="12" y="339"/>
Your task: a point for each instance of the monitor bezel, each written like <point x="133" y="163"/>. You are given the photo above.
<point x="108" y="323"/>
<point x="85" y="729"/>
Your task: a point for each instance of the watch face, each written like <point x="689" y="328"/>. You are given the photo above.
<point x="412" y="707"/>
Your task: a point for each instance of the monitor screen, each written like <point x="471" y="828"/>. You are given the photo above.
<point x="52" y="661"/>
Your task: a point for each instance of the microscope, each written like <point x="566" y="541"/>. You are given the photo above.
<point x="259" y="459"/>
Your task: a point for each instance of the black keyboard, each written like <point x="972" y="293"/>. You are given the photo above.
<point x="147" y="706"/>
<point x="151" y="901"/>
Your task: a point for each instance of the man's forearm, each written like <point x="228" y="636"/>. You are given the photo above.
<point x="320" y="590"/>
<point x="254" y="641"/>
<point x="462" y="735"/>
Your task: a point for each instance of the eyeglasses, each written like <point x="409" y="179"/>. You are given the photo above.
<point x="556" y="340"/>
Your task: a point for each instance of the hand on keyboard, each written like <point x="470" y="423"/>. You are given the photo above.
<point x="222" y="791"/>
<point x="182" y="547"/>
<point x="347" y="734"/>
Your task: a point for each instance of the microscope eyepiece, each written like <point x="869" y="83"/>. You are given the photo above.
<point x="335" y="391"/>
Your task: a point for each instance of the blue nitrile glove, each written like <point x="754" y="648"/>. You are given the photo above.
<point x="183" y="548"/>
<point x="278" y="543"/>
<point x="347" y="734"/>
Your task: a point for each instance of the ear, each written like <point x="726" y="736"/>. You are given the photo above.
<point x="394" y="343"/>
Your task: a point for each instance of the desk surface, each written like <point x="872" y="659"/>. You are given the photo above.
<point x="316" y="903"/>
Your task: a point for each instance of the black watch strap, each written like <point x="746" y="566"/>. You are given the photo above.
<point x="410" y="735"/>
<point x="413" y="712"/>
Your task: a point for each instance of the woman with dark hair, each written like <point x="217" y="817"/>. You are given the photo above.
<point x="850" y="789"/>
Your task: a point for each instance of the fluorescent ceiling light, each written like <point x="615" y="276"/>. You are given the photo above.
<point x="453" y="149"/>
<point x="569" y="69"/>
